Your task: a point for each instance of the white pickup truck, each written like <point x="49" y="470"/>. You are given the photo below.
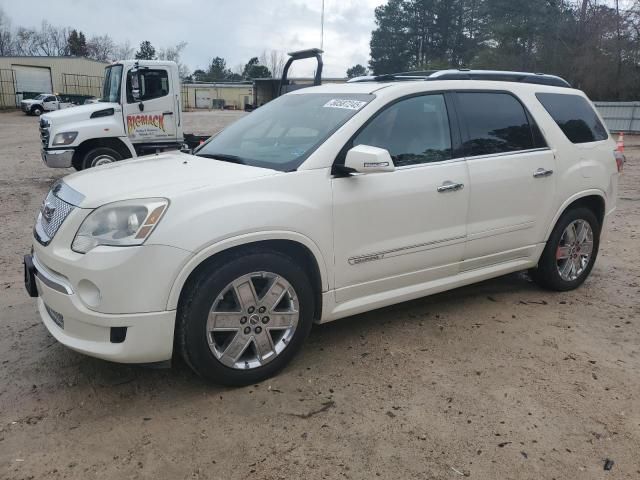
<point x="45" y="102"/>
<point x="139" y="113"/>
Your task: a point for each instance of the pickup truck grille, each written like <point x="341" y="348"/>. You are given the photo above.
<point x="24" y="106"/>
<point x="53" y="213"/>
<point x="44" y="132"/>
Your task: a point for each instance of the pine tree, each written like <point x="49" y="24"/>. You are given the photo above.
<point x="146" y="52"/>
<point x="77" y="44"/>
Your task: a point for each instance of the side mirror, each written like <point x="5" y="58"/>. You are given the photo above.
<point x="368" y="159"/>
<point x="136" y="93"/>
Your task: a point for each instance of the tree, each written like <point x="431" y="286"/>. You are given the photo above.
<point x="77" y="44"/>
<point x="146" y="51"/>
<point x="199" y="75"/>
<point x="102" y="48"/>
<point x="356" y="71"/>
<point x="123" y="51"/>
<point x="217" y="71"/>
<point x="173" y="54"/>
<point x="253" y="69"/>
<point x="274" y="60"/>
<point x="7" y="47"/>
<point x="390" y="40"/>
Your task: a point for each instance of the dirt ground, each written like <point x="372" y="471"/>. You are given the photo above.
<point x="500" y="380"/>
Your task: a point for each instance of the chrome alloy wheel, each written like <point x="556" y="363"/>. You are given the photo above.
<point x="252" y="320"/>
<point x="102" y="160"/>
<point x="574" y="250"/>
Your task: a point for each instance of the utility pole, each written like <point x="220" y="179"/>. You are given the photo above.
<point x="322" y="27"/>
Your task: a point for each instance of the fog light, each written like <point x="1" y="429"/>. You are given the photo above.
<point x="89" y="293"/>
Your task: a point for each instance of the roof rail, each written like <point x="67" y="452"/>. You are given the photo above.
<point x="464" y="74"/>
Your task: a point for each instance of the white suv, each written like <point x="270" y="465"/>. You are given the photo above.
<point x="327" y="202"/>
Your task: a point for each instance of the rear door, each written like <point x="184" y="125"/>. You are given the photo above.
<point x="156" y="122"/>
<point x="511" y="175"/>
<point x="399" y="229"/>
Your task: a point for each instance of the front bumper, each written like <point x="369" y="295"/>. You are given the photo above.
<point x="124" y="338"/>
<point x="57" y="158"/>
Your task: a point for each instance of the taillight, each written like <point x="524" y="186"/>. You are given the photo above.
<point x="620" y="159"/>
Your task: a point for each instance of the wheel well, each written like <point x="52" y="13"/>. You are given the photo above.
<point x="33" y="107"/>
<point x="292" y="249"/>
<point x="595" y="203"/>
<point x="110" y="142"/>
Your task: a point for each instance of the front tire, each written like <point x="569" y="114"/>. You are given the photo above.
<point x="570" y="252"/>
<point x="242" y="319"/>
<point x="100" y="156"/>
<point x="37" y="111"/>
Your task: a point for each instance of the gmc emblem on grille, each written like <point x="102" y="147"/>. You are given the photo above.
<point x="47" y="211"/>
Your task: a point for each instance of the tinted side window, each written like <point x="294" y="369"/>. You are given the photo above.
<point x="574" y="116"/>
<point x="414" y="130"/>
<point x="496" y="123"/>
<point x="153" y="84"/>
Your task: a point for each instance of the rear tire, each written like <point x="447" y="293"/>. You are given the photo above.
<point x="568" y="258"/>
<point x="260" y="336"/>
<point x="100" y="156"/>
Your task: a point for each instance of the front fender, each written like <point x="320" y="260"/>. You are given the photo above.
<point x="237" y="241"/>
<point x="92" y="129"/>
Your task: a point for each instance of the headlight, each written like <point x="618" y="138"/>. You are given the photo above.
<point x="119" y="224"/>
<point x="65" y="138"/>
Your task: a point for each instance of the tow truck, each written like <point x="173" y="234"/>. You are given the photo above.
<point x="45" y="102"/>
<point x="140" y="113"/>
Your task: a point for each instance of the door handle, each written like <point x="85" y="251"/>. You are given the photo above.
<point x="449" y="186"/>
<point x="167" y="113"/>
<point x="542" y="172"/>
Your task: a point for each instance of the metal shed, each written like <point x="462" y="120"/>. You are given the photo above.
<point x="25" y="77"/>
<point x="620" y="116"/>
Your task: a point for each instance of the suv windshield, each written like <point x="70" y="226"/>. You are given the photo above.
<point x="111" y="86"/>
<point x="283" y="133"/>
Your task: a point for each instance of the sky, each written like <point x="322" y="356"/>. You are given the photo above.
<point x="233" y="29"/>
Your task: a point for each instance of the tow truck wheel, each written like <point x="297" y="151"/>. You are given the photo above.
<point x="100" y="156"/>
<point x="37" y="111"/>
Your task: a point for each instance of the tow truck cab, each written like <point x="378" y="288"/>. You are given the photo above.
<point x="140" y="112"/>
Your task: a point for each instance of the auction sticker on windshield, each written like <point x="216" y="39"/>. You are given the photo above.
<point x="344" y="103"/>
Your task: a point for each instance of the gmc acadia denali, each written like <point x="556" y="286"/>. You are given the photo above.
<point x="326" y="202"/>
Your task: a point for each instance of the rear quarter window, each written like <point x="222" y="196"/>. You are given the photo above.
<point x="575" y="117"/>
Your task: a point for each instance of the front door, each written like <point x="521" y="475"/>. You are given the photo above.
<point x="511" y="174"/>
<point x="156" y="121"/>
<point x="50" y="103"/>
<point x="405" y="227"/>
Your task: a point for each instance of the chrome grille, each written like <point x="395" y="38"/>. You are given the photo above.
<point x="44" y="132"/>
<point x="52" y="213"/>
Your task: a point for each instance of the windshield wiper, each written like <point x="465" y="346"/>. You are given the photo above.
<point x="223" y="157"/>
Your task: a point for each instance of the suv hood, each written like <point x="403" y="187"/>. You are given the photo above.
<point x="165" y="175"/>
<point x="76" y="113"/>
